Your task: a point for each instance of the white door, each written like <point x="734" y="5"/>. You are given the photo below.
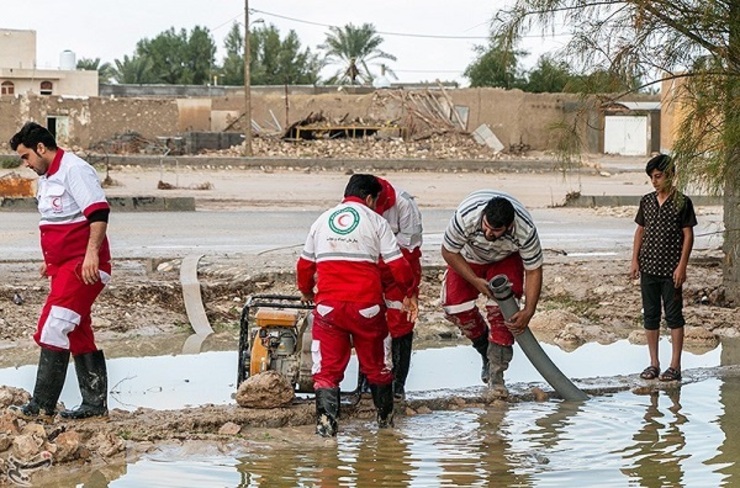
<point x="626" y="134"/>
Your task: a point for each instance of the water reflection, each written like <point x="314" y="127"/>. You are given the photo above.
<point x="728" y="453"/>
<point x="180" y="380"/>
<point x="655" y="458"/>
<point x="676" y="437"/>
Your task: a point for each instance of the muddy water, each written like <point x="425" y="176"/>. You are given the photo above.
<point x="681" y="437"/>
<point x="186" y="380"/>
<point x="678" y="437"/>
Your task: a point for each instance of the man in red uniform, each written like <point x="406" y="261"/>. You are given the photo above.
<point x="341" y="261"/>
<point x="400" y="210"/>
<point x="74" y="221"/>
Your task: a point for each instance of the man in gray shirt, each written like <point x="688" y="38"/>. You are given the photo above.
<point x="491" y="233"/>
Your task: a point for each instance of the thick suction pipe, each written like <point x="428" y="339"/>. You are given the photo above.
<point x="504" y="296"/>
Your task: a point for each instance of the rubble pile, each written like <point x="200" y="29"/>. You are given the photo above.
<point x="26" y="447"/>
<point x="440" y="146"/>
<point x="14" y="185"/>
<point x="129" y="142"/>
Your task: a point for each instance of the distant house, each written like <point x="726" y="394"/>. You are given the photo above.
<point x="19" y="74"/>
<point x="631" y="128"/>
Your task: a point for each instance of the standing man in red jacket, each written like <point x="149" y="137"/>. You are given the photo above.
<point x="400" y="210"/>
<point x="339" y="271"/>
<point x="74" y="221"/>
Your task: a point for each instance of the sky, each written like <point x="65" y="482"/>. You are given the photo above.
<point x="110" y="29"/>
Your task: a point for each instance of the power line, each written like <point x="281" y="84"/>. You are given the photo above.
<point x="398" y="34"/>
<point x="237" y="16"/>
<point x="406" y="34"/>
<point x="428" y="70"/>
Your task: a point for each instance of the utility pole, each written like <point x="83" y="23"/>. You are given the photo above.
<point x="247" y="87"/>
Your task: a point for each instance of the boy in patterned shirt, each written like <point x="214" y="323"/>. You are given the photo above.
<point x="662" y="245"/>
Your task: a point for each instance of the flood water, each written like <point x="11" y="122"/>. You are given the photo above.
<point x="678" y="437"/>
<point x="189" y="380"/>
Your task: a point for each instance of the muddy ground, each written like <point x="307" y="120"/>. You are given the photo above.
<point x="583" y="300"/>
<point x="589" y="300"/>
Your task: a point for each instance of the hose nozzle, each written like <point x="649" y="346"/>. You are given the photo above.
<point x="500" y="287"/>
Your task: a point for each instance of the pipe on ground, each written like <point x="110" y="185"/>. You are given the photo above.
<point x="504" y="296"/>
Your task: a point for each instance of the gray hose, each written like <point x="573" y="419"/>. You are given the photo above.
<point x="504" y="296"/>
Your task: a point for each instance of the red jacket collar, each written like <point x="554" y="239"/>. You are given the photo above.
<point x="54" y="166"/>
<point x="354" y="199"/>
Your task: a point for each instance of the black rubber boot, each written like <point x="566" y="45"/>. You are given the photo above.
<point x="383" y="400"/>
<point x="92" y="376"/>
<point x="363" y="386"/>
<point x="401" y="350"/>
<point x="327" y="411"/>
<point x="481" y="345"/>
<point x="52" y="372"/>
<point x="499" y="358"/>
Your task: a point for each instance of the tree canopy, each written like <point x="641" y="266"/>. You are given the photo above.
<point x="273" y="60"/>
<point x="105" y="70"/>
<point x="136" y="70"/>
<point x="352" y="48"/>
<point x="499" y="65"/>
<point x="693" y="46"/>
<point x="180" y="58"/>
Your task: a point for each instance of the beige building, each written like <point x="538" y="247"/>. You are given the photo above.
<point x="19" y="75"/>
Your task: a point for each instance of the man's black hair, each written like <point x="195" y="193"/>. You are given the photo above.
<point x="30" y="135"/>
<point x="499" y="212"/>
<point x="361" y="186"/>
<point x="661" y="162"/>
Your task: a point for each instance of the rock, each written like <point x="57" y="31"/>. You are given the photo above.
<point x="553" y="320"/>
<point x="265" y="390"/>
<point x="26" y="446"/>
<point x="230" y="428"/>
<point x="13" y="396"/>
<point x="34" y="429"/>
<point x="68" y="446"/>
<point x="9" y="424"/>
<point x="540" y="395"/>
<point x="637" y="337"/>
<point x="5" y="442"/>
<point x="699" y="339"/>
<point x="609" y="290"/>
<point x="107" y="445"/>
<point x="578" y="334"/>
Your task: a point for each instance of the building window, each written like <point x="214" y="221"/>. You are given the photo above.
<point x="7" y="88"/>
<point x="46" y="87"/>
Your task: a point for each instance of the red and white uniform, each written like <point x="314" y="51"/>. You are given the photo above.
<point x="400" y="210"/>
<point x="67" y="194"/>
<point x="341" y="260"/>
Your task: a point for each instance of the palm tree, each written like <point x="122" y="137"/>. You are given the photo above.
<point x="133" y="70"/>
<point x="353" y="48"/>
<point x="105" y="70"/>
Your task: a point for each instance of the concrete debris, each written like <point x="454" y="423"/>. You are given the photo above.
<point x="484" y="135"/>
<point x="13" y="185"/>
<point x="130" y="143"/>
<point x="436" y="146"/>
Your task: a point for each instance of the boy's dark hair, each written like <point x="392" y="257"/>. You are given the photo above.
<point x="661" y="162"/>
<point x="30" y="135"/>
<point x="361" y="186"/>
<point x="499" y="212"/>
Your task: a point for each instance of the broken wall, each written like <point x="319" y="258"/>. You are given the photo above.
<point x="514" y="117"/>
<point x="90" y="120"/>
